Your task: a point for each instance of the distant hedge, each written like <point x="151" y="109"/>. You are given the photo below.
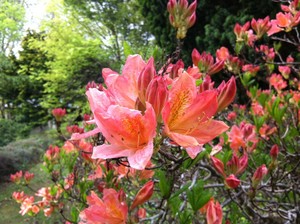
<point x="11" y="130"/>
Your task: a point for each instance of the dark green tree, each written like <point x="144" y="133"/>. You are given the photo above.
<point x="32" y="63"/>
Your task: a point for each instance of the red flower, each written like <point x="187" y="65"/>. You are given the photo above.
<point x="232" y="182"/>
<point x="58" y="113"/>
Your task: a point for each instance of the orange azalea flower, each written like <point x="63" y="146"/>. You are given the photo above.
<point x="111" y="209"/>
<point x="187" y="115"/>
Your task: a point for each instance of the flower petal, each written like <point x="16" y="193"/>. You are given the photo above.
<point x="193" y="151"/>
<point x="209" y="130"/>
<point x="141" y="157"/>
<point x="110" y="152"/>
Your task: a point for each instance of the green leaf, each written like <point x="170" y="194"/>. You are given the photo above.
<point x="74" y="213"/>
<point x="197" y="196"/>
<point x="127" y="49"/>
<point x="165" y="184"/>
<point x="184" y="188"/>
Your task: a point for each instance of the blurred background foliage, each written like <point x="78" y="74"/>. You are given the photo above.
<point x="48" y="68"/>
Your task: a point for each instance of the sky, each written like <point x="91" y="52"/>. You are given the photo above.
<point x="35" y="11"/>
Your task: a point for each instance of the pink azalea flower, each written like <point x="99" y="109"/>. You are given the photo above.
<point x="111" y="209"/>
<point x="129" y="133"/>
<point x="123" y="89"/>
<point x="187" y="115"/>
<point x="278" y="82"/>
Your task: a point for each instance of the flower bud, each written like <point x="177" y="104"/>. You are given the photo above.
<point x="274" y="152"/>
<point x="156" y="95"/>
<point x="285" y="71"/>
<point x="16" y="178"/>
<point x="28" y="177"/>
<point x="232" y="182"/>
<point x="191" y="20"/>
<point x="58" y="113"/>
<point x="214" y="213"/>
<point x="233" y="164"/>
<point x="218" y="165"/>
<point x="222" y="54"/>
<point x="19" y="196"/>
<point x="226" y="93"/>
<point x="261" y="26"/>
<point x="181" y="16"/>
<point x="243" y="163"/>
<point x="145" y="78"/>
<point x="259" y="174"/>
<point x="175" y="68"/>
<point x="143" y="195"/>
<point x="192" y="8"/>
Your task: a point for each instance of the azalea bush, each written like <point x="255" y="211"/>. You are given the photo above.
<point x="168" y="145"/>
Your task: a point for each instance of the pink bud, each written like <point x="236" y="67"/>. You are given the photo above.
<point x="143" y="195"/>
<point x="259" y="174"/>
<point x="233" y="164"/>
<point x="214" y="213"/>
<point x="156" y="95"/>
<point x="145" y="78"/>
<point x="290" y="59"/>
<point x="172" y="20"/>
<point x="191" y="20"/>
<point x="86" y="117"/>
<point x="192" y="8"/>
<point x="285" y="71"/>
<point x="222" y="54"/>
<point x="19" y="196"/>
<point x="219" y="166"/>
<point x="171" y="6"/>
<point x="226" y="93"/>
<point x="274" y="152"/>
<point x="28" y="176"/>
<point x="243" y="163"/>
<point x="183" y="4"/>
<point x="196" y="56"/>
<point x="232" y="182"/>
<point x="58" y="113"/>
<point x="207" y="84"/>
<point x="141" y="213"/>
<point x="174" y="70"/>
<point x="215" y="68"/>
<point x="94" y="85"/>
<point x="16" y="178"/>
